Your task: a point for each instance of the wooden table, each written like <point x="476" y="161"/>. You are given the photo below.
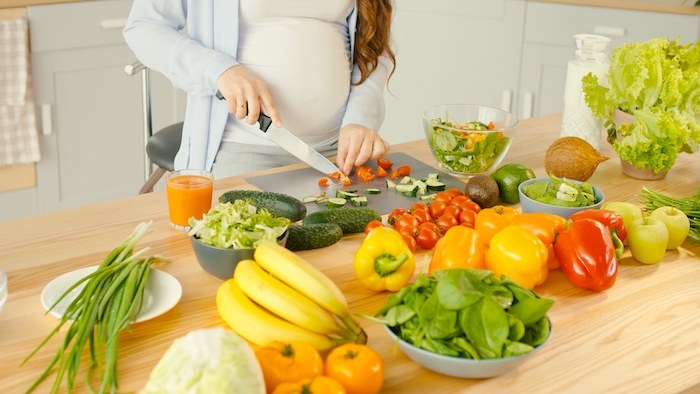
<point x="643" y="335"/>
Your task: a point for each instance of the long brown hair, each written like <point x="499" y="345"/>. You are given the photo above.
<point x="372" y="37"/>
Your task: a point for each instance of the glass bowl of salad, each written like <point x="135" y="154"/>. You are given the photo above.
<point x="467" y="139"/>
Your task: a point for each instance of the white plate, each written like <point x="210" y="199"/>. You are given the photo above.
<point x="162" y="292"/>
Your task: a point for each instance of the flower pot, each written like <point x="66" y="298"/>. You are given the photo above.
<point x="629" y="169"/>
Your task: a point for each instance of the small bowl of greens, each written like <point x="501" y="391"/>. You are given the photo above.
<point x="467" y="140"/>
<point x="230" y="232"/>
<point x="467" y="323"/>
<point x="558" y="196"/>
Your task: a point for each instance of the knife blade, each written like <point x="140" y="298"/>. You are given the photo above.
<point x="292" y="144"/>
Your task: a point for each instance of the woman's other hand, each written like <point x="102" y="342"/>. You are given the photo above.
<point x="356" y="145"/>
<point x="241" y="89"/>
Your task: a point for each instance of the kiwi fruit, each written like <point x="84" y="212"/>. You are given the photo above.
<point x="483" y="190"/>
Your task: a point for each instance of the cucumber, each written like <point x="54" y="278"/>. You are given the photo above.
<point x="372" y="191"/>
<point x="313" y="236"/>
<point x="277" y="204"/>
<point x="435" y="185"/>
<point x="351" y="220"/>
<point x="359" y="201"/>
<point x="345" y="195"/>
<point x="334" y="203"/>
<point x="390" y="184"/>
<point x="309" y="199"/>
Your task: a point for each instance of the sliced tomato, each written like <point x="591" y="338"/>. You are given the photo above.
<point x="346" y="181"/>
<point x="404" y="170"/>
<point x="364" y="173"/>
<point x="323" y="182"/>
<point x="381" y="172"/>
<point x="394" y="175"/>
<point x="384" y="163"/>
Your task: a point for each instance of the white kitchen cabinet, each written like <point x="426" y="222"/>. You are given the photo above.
<point x="549" y="31"/>
<point x="89" y="112"/>
<point x="449" y="52"/>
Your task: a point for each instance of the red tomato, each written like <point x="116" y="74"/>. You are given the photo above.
<point x="467" y="218"/>
<point x="459" y="199"/>
<point x="404" y="170"/>
<point x="454" y="192"/>
<point x="372" y="224"/>
<point x="427" y="238"/>
<point x="430" y="226"/>
<point x="409" y="230"/>
<point x="446" y="222"/>
<point x="437" y="208"/>
<point x="410" y="242"/>
<point x="381" y="173"/>
<point x="384" y="163"/>
<point x="443" y="196"/>
<point x="422" y="216"/>
<point x="395" y="215"/>
<point x="394" y="174"/>
<point x="406" y="220"/>
<point x="452" y="210"/>
<point x="419" y="205"/>
<point x="470" y="205"/>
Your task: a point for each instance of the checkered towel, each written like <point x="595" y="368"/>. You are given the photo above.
<point x="19" y="143"/>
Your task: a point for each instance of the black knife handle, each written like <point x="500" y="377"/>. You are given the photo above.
<point x="263" y="120"/>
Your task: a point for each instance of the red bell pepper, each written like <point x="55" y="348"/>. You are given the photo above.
<point x="587" y="255"/>
<point x="610" y="219"/>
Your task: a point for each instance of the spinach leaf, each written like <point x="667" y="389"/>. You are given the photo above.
<point x="414" y="301"/>
<point x="531" y="310"/>
<point x="468" y="350"/>
<point x="537" y="333"/>
<point x="393" y="300"/>
<point x="486" y="326"/>
<point x="517" y="328"/>
<point x="520" y="293"/>
<point x="439" y="347"/>
<point x="456" y="289"/>
<point x="437" y="321"/>
<point x="513" y="348"/>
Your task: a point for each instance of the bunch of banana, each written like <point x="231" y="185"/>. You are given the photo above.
<point x="281" y="297"/>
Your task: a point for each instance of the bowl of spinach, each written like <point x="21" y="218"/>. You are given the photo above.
<point x="558" y="196"/>
<point x="467" y="323"/>
<point x="467" y="140"/>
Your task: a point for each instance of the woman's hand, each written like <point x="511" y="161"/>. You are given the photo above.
<point x="356" y="145"/>
<point x="241" y="89"/>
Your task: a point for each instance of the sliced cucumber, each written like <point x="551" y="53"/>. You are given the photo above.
<point x="308" y="199"/>
<point x="434" y="175"/>
<point x="406" y="180"/>
<point x="336" y="202"/>
<point x="322" y="200"/>
<point x="408" y="190"/>
<point x="435" y="185"/>
<point x="422" y="187"/>
<point x="372" y="191"/>
<point x="359" y="201"/>
<point x="428" y="197"/>
<point x="390" y="184"/>
<point x="345" y="194"/>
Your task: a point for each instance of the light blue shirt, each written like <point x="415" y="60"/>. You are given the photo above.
<point x="195" y="61"/>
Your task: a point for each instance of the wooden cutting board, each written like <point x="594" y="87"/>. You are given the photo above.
<point x="304" y="182"/>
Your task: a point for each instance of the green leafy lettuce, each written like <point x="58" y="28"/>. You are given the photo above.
<point x="467" y="313"/>
<point x="657" y="81"/>
<point x="238" y="225"/>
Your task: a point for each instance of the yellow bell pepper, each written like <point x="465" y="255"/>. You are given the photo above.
<point x="518" y="254"/>
<point x="384" y="261"/>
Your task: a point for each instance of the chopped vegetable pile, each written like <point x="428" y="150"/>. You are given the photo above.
<point x="468" y="313"/>
<point x="561" y="192"/>
<point x="472" y="150"/>
<point x="238" y="225"/>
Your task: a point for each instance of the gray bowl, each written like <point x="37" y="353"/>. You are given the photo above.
<point x="221" y="262"/>
<point x="463" y="367"/>
<point x="528" y="205"/>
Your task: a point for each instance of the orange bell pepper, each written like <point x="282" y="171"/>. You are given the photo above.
<point x="490" y="221"/>
<point x="518" y="254"/>
<point x="461" y="247"/>
<point x="545" y="226"/>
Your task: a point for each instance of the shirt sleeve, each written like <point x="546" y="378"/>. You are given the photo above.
<point x="153" y="32"/>
<point x="366" y="101"/>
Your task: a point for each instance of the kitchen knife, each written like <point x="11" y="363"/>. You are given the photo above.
<point x="293" y="144"/>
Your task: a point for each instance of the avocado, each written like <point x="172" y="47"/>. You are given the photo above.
<point x="483" y="190"/>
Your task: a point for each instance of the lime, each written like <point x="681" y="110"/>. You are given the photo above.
<point x="509" y="177"/>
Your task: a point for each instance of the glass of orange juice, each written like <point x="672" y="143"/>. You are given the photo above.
<point x="189" y="195"/>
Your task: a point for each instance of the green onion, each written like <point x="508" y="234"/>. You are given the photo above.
<point x="689" y="205"/>
<point x="109" y="302"/>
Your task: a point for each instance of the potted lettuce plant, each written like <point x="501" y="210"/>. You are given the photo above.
<point x="651" y="105"/>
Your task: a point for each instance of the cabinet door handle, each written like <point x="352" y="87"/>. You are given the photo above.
<point x="527" y="105"/>
<point x="46" y="121"/>
<point x="118" y="23"/>
<point x="505" y="100"/>
<point x="609" y="31"/>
